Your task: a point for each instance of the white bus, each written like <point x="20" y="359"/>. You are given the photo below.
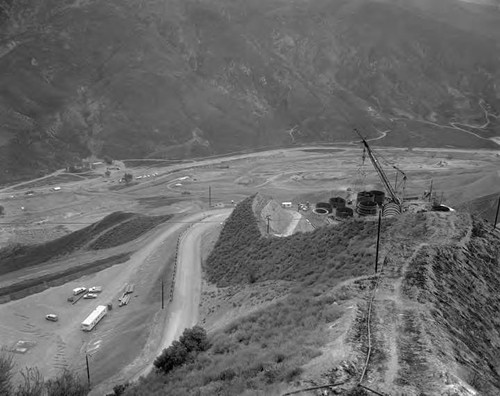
<point x="97" y="314"/>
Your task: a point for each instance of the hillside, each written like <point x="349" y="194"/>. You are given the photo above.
<point x="179" y="79"/>
<point x="430" y="311"/>
<point x="115" y="229"/>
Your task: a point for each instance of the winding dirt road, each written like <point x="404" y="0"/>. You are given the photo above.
<point x="182" y="312"/>
<point x="186" y="298"/>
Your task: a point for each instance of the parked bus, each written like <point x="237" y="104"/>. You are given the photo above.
<point x="97" y="314"/>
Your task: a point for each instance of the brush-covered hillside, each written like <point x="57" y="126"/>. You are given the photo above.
<point x="185" y="78"/>
<point x="426" y="323"/>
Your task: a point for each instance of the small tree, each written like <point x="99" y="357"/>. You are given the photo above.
<point x="108" y="160"/>
<point x="6" y="367"/>
<point x="128" y="177"/>
<point x="107" y="173"/>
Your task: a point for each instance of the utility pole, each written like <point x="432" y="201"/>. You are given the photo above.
<point x="496" y="216"/>
<point x="88" y="369"/>
<point x="268" y="217"/>
<point x="396" y="183"/>
<point x="378" y="239"/>
<point x="162" y="296"/>
<point x="209" y="196"/>
<point x="430" y="193"/>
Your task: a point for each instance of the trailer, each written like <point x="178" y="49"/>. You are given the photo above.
<point x="79" y="290"/>
<point x="97" y="314"/>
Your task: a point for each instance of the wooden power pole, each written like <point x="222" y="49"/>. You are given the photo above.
<point x="378" y="239"/>
<point x="496" y="216"/>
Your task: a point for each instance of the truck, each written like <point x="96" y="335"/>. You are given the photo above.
<point x="95" y="316"/>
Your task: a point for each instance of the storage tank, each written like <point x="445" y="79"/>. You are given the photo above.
<point x="324" y="205"/>
<point x="365" y="196"/>
<point x="378" y="197"/>
<point x="344" y="212"/>
<point x="337" y="202"/>
<point x="366" y="208"/>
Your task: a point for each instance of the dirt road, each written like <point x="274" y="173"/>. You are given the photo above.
<point x="183" y="311"/>
<point x="293" y="224"/>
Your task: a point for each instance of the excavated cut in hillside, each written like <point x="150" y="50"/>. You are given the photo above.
<point x="242" y="254"/>
<point x="113" y="230"/>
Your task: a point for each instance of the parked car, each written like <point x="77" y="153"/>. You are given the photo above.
<point x="90" y="295"/>
<point x="95" y="289"/>
<point x="52" y="317"/>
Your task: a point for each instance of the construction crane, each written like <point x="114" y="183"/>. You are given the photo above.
<point x="380" y="171"/>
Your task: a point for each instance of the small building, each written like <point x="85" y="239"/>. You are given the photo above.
<point x="286" y="204"/>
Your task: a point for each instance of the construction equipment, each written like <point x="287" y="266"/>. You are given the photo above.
<point x="383" y="177"/>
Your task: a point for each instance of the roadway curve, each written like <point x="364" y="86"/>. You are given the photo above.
<point x="183" y="311"/>
<point x="187" y="290"/>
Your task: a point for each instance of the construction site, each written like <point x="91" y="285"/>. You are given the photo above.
<point x="389" y="202"/>
<point x="145" y="270"/>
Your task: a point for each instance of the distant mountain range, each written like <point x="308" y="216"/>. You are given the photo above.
<point x="186" y="78"/>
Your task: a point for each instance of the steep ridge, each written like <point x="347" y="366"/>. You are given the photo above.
<point x="177" y="79"/>
<point x="434" y="328"/>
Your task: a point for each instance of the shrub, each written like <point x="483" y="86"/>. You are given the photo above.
<point x="119" y="390"/>
<point x="6" y="367"/>
<point x="195" y="339"/>
<point x="191" y="342"/>
<point x="33" y="383"/>
<point x="108" y="160"/>
<point x="171" y="357"/>
<point x="68" y="383"/>
<point x="128" y="177"/>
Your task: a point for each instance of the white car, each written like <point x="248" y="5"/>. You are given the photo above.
<point x="95" y="289"/>
<point x="90" y="295"/>
<point x="52" y="317"/>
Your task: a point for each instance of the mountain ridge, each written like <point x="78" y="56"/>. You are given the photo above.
<point x="188" y="79"/>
